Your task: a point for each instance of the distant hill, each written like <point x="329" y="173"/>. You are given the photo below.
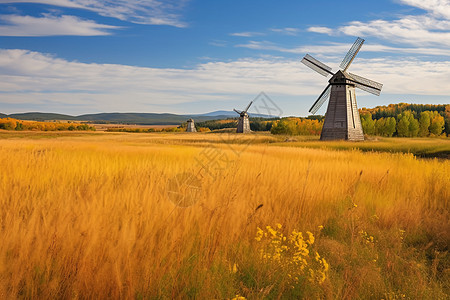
<point x="3" y="115"/>
<point x="219" y="113"/>
<point x="37" y="116"/>
<point x="129" y="118"/>
<point x="232" y="114"/>
<point x="145" y="118"/>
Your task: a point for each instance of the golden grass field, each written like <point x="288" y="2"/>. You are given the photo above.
<point x="92" y="216"/>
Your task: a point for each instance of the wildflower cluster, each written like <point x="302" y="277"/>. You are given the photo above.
<point x="394" y="296"/>
<point x="292" y="253"/>
<point x="368" y="239"/>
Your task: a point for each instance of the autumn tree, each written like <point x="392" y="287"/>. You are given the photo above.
<point x="297" y="126"/>
<point x="437" y="124"/>
<point x="447" y="119"/>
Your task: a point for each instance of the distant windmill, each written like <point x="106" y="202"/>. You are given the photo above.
<point x="243" y="123"/>
<point x="342" y="120"/>
<point x="191" y="126"/>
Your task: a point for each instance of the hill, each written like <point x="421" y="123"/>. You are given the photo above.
<point x="128" y="118"/>
<point x="38" y="116"/>
<point x="230" y="114"/>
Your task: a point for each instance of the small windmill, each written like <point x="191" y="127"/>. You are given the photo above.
<point x="342" y="120"/>
<point x="191" y="126"/>
<point x="243" y="123"/>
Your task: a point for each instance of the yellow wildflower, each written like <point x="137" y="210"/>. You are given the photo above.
<point x="310" y="238"/>
<point x="235" y="269"/>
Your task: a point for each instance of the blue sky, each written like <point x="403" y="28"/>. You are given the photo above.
<point x="196" y="56"/>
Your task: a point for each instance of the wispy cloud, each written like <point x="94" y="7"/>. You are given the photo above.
<point x="42" y="79"/>
<point x="411" y="30"/>
<point x="286" y="30"/>
<point x="218" y="43"/>
<point x="49" y="25"/>
<point x="247" y="34"/>
<point x="336" y="48"/>
<point x="152" y="12"/>
<point x="264" y="45"/>
<point x="429" y="29"/>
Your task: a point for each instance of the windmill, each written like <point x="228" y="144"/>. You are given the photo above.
<point x="191" y="126"/>
<point x="243" y="123"/>
<point x="342" y="120"/>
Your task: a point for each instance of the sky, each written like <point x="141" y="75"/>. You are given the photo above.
<point x="198" y="56"/>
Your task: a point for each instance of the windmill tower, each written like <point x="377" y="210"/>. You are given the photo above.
<point x="191" y="126"/>
<point x="243" y="123"/>
<point x="342" y="120"/>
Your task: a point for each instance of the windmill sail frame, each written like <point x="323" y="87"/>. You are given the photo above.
<point x="342" y="120"/>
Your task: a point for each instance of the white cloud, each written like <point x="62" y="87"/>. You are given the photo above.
<point x="412" y="30"/>
<point x="286" y="30"/>
<point x="34" y="78"/>
<point x="342" y="48"/>
<point x="152" y="12"/>
<point x="218" y="43"/>
<point x="246" y="34"/>
<point x="439" y="8"/>
<point x="264" y="45"/>
<point x="320" y="29"/>
<point x="427" y="34"/>
<point x="51" y="25"/>
<point x="63" y="3"/>
<point x="431" y="29"/>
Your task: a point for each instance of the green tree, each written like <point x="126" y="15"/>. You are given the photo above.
<point x="19" y="126"/>
<point x="407" y="125"/>
<point x="390" y="126"/>
<point x="424" y="123"/>
<point x="403" y="126"/>
<point x="367" y="123"/>
<point x="413" y="126"/>
<point x="380" y="126"/>
<point x="385" y="126"/>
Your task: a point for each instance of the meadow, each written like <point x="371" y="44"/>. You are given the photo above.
<point x="222" y="216"/>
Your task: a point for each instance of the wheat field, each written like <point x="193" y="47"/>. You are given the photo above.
<point x="98" y="216"/>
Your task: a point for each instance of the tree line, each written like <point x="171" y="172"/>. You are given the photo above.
<point x="297" y="126"/>
<point x="405" y="124"/>
<point x="19" y="125"/>
<point x="408" y="117"/>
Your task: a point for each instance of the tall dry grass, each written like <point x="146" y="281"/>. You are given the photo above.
<point x="89" y="216"/>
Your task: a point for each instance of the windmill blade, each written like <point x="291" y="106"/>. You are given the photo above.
<point x="316" y="65"/>
<point x="351" y="54"/>
<point x="365" y="84"/>
<point x="248" y="106"/>
<point x="321" y="100"/>
<point x="239" y="112"/>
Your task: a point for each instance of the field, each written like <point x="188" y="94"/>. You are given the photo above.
<point x="222" y="216"/>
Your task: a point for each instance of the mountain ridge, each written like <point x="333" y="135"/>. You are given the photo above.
<point x="128" y="117"/>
